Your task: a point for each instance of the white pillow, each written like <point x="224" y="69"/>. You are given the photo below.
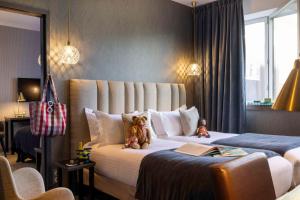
<point x="93" y="124"/>
<point x="111" y="128"/>
<point x="157" y="123"/>
<point x="167" y="123"/>
<point x="183" y="107"/>
<point x="171" y="123"/>
<point x="189" y="121"/>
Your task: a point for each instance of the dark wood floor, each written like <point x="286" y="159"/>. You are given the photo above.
<point x="102" y="196"/>
<point x="17" y="165"/>
<point x="98" y="195"/>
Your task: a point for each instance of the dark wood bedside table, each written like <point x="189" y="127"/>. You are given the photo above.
<point x="61" y="166"/>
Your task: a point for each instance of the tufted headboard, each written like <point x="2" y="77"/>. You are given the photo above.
<point x="118" y="97"/>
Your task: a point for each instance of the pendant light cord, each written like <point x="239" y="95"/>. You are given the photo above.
<point x="69" y="14"/>
<point x="194" y="4"/>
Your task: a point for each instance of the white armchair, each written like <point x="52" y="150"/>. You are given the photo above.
<point x="27" y="184"/>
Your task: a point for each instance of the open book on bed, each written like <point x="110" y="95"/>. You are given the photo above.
<point x="195" y="149"/>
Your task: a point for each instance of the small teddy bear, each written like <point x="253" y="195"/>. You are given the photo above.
<point x="139" y="136"/>
<point x="202" y="130"/>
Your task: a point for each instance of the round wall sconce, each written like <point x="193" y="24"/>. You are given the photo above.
<point x="193" y="69"/>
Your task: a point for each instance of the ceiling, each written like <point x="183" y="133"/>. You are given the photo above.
<point x="189" y="2"/>
<point x="17" y="20"/>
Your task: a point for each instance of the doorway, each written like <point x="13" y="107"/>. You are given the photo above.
<point x="23" y="70"/>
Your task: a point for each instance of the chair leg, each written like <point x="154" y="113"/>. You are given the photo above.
<point x="3" y="147"/>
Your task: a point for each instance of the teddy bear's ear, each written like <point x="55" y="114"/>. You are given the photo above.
<point x="145" y="118"/>
<point x="133" y="118"/>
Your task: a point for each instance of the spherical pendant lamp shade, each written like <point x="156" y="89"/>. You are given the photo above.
<point x="70" y="55"/>
<point x="193" y="69"/>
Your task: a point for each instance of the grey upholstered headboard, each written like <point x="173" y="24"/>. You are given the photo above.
<point x="117" y="97"/>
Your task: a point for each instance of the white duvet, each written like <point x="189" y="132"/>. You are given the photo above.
<point x="123" y="165"/>
<point x="213" y="137"/>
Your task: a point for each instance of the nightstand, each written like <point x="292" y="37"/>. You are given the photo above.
<point x="74" y="170"/>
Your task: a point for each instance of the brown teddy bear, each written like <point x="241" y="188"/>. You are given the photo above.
<point x="139" y="136"/>
<point x="202" y="130"/>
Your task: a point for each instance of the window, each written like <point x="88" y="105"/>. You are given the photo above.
<point x="271" y="49"/>
<point x="285" y="48"/>
<point x="256" y="66"/>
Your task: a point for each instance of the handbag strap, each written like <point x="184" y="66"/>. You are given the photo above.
<point x="53" y="89"/>
<point x="49" y="82"/>
<point x="45" y="90"/>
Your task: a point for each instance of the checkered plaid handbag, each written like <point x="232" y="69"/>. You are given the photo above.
<point x="48" y="117"/>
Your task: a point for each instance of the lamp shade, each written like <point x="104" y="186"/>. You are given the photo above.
<point x="39" y="60"/>
<point x="193" y="69"/>
<point x="70" y="55"/>
<point x="289" y="96"/>
<point x="21" y="97"/>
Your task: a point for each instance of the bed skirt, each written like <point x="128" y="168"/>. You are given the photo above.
<point x="112" y="187"/>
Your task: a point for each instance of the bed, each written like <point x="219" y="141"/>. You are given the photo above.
<point x="121" y="165"/>
<point x="117" y="97"/>
<point x="292" y="155"/>
<point x="117" y="169"/>
<point x="25" y="143"/>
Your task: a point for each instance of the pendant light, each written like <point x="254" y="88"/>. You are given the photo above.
<point x="70" y="54"/>
<point x="289" y="96"/>
<point x="194" y="68"/>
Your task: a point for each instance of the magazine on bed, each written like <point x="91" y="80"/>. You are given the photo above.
<point x="195" y="149"/>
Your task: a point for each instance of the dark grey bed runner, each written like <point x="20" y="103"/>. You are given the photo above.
<point x="168" y="175"/>
<point x="278" y="143"/>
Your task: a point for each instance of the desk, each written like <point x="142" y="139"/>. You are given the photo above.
<point x="9" y="134"/>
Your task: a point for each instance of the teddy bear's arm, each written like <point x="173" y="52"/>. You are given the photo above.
<point x="149" y="138"/>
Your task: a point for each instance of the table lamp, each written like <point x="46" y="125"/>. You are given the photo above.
<point x="20" y="99"/>
<point x="289" y="96"/>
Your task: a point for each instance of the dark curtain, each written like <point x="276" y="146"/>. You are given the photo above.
<point x="220" y="50"/>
